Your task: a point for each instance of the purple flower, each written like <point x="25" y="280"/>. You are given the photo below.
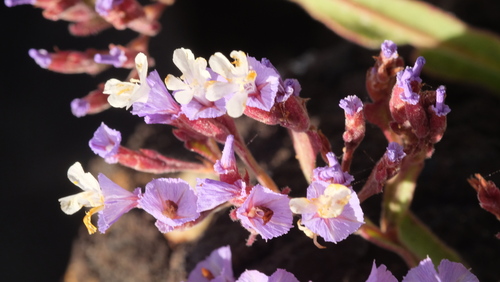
<point x="266" y="82"/>
<point x="212" y="193"/>
<point x="290" y="87"/>
<point x="216" y="267"/>
<point x="104" y="6"/>
<point x="105" y="143"/>
<point x="160" y="106"/>
<point x="389" y="49"/>
<point x="227" y="163"/>
<point x="332" y="173"/>
<point x="447" y="272"/>
<point x="116" y="57"/>
<point x="171" y="201"/>
<point x="41" y="57"/>
<point x="79" y="107"/>
<point x="395" y="152"/>
<point x="280" y="275"/>
<point x="12" y="3"/>
<point x="266" y="213"/>
<point x="351" y="105"/>
<point x="117" y="201"/>
<point x="331" y="211"/>
<point x="440" y="109"/>
<point x="404" y="79"/>
<point x="380" y="274"/>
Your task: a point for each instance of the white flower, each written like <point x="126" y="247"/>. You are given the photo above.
<point x="194" y="76"/>
<point x="91" y="195"/>
<point x="124" y="94"/>
<point x="240" y="81"/>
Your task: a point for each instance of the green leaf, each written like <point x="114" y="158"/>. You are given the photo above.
<point x="452" y="49"/>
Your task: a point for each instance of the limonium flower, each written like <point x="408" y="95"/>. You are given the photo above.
<point x="333" y="172"/>
<point x="160" y="107"/>
<point x="91" y="197"/>
<point x="216" y="267"/>
<point x="406" y="77"/>
<point x="171" y="201"/>
<point x="116" y="57"/>
<point x="265" y="212"/>
<point x="331" y="211"/>
<point x="241" y="83"/>
<point x="212" y="193"/>
<point x="117" y="201"/>
<point x="124" y="94"/>
<point x="280" y="275"/>
<point x="106" y="143"/>
<point x="389" y="49"/>
<point x="441" y="109"/>
<point x="41" y="57"/>
<point x="447" y="271"/>
<point x="189" y="90"/>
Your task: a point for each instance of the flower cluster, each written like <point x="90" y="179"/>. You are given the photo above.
<point x="218" y="267"/>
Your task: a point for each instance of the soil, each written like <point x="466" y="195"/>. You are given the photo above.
<point x="45" y="139"/>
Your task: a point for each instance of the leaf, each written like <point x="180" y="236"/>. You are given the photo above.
<point x="452" y="49"/>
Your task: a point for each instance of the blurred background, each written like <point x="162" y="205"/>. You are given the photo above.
<point x="41" y="138"/>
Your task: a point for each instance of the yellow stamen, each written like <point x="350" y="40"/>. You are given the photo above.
<point x="87" y="219"/>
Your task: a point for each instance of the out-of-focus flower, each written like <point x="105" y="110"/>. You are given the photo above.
<point x="106" y="143"/>
<point x="124" y="94"/>
<point x="447" y="271"/>
<point x="280" y="275"/>
<point x="216" y="267"/>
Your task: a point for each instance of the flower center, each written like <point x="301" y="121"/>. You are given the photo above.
<point x="170" y="209"/>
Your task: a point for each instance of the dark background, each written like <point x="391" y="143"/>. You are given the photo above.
<point x="41" y="138"/>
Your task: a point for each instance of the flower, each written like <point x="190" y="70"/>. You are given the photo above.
<point x="117" y="201"/>
<point x="406" y="77"/>
<point x="212" y="193"/>
<point x="171" y="201"/>
<point x="280" y="275"/>
<point x="265" y="212"/>
<point x="441" y="109"/>
<point x="351" y="105"/>
<point x="331" y="211"/>
<point x="394" y="153"/>
<point x="332" y="173"/>
<point x="380" y="274"/>
<point x="389" y="49"/>
<point x="160" y="106"/>
<point x="41" y="57"/>
<point x="104" y="6"/>
<point x="247" y="82"/>
<point x="216" y="267"/>
<point x="447" y="272"/>
<point x="116" y="57"/>
<point x="91" y="196"/>
<point x="124" y="94"/>
<point x="106" y="143"/>
<point x="189" y="90"/>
